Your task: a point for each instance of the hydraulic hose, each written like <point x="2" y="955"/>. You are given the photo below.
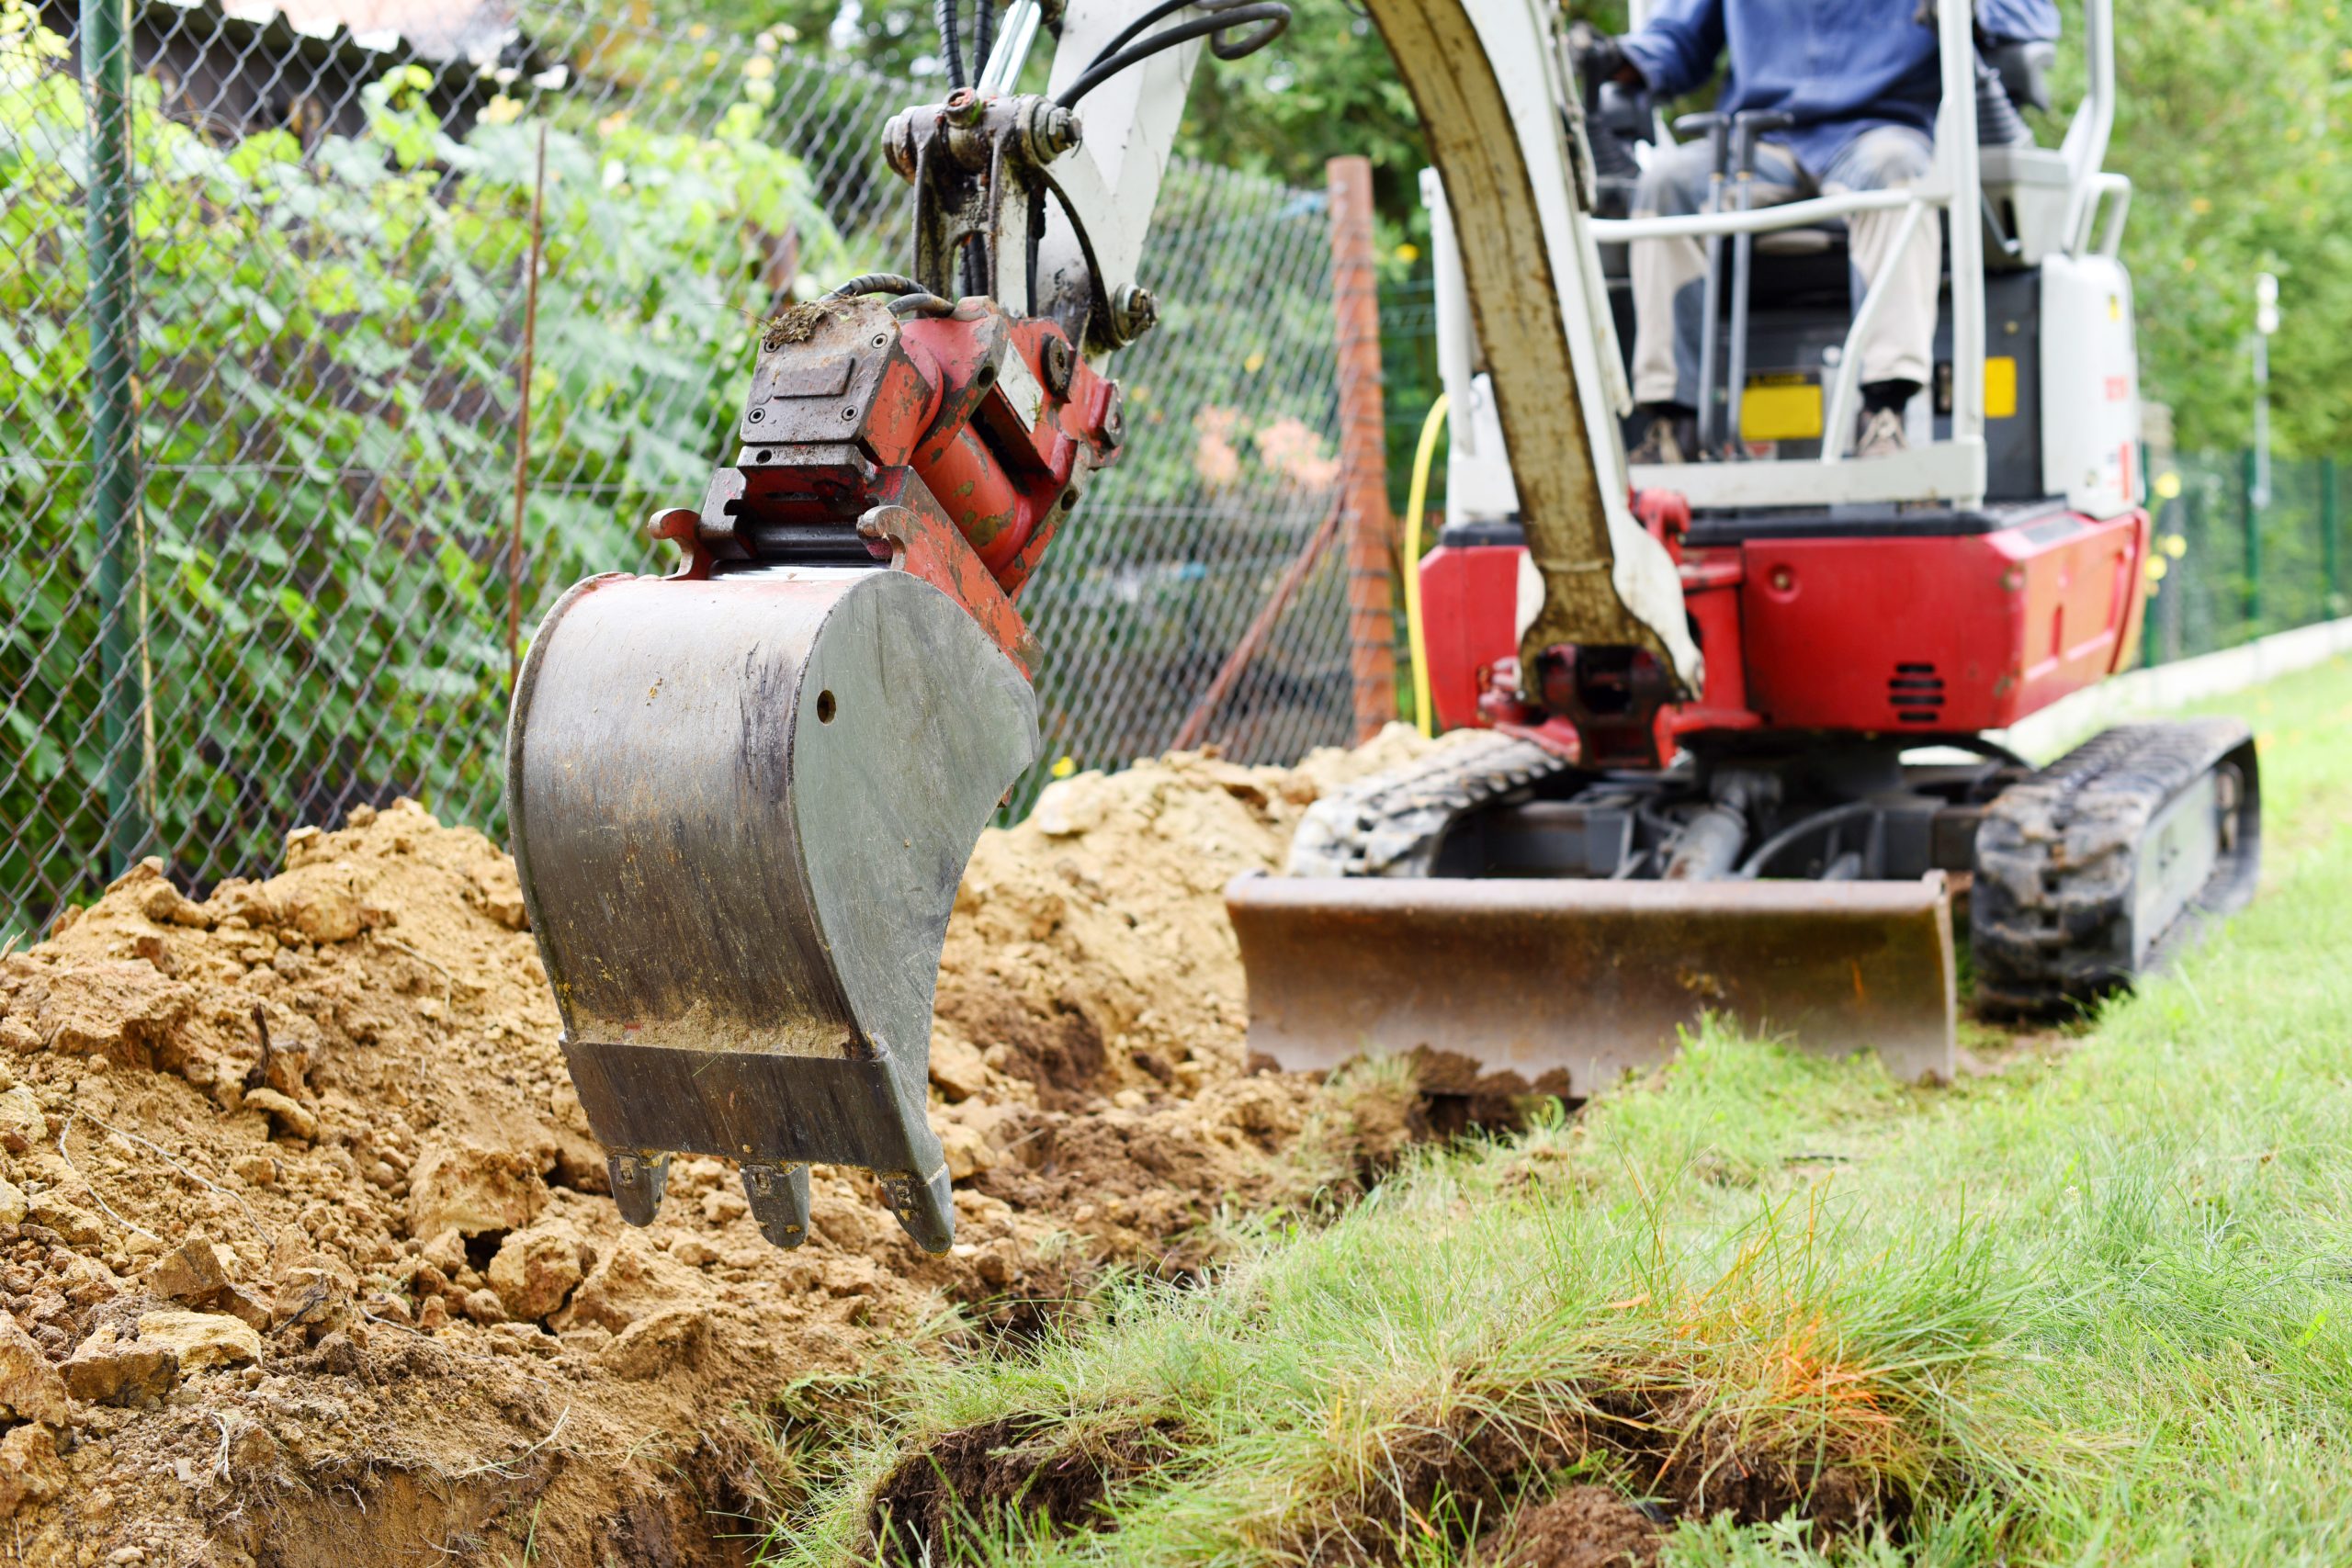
<point x="983" y="36"/>
<point x="950" y="47"/>
<point x="873" y="283"/>
<point x="907" y="297"/>
<point x="1272" y="15"/>
<point x="1416" y="503"/>
<point x="1754" y="865"/>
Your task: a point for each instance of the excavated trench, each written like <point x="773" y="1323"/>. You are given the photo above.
<point x="1486" y="1480"/>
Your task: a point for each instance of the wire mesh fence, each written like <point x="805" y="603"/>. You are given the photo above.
<point x="311" y="596"/>
<point x="1232" y="399"/>
<point x="2232" y="569"/>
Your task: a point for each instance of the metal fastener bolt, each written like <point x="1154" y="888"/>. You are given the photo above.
<point x="1053" y="131"/>
<point x="1058" y="363"/>
<point x="1134" y="312"/>
<point x="850" y="412"/>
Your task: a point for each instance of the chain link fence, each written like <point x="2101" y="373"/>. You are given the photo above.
<point x="307" y="592"/>
<point x="2231" y="570"/>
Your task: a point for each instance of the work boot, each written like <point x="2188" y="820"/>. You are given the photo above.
<point x="1882" y="432"/>
<point x="1661" y="442"/>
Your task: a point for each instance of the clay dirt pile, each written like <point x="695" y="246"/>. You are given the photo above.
<point x="305" y="1245"/>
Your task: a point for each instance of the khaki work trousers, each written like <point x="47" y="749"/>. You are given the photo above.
<point x="1670" y="276"/>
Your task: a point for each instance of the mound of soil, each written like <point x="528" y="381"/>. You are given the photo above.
<point x="305" y="1247"/>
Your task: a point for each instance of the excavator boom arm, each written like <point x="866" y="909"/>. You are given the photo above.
<point x="742" y="795"/>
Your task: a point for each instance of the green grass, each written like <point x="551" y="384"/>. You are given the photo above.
<point x="2095" y="1309"/>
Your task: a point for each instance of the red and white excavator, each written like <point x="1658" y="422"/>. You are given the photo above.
<point x="1733" y="715"/>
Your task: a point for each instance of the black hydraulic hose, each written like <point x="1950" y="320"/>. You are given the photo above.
<point x="1128" y="33"/>
<point x="1753" y="866"/>
<point x="950" y="47"/>
<point x="983" y="36"/>
<point x="1250" y="43"/>
<point x="1169" y="8"/>
<point x="1273" y="15"/>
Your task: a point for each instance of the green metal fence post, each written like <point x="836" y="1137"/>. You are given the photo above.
<point x="114" y="477"/>
<point x="2253" y="520"/>
<point x="2327" y="534"/>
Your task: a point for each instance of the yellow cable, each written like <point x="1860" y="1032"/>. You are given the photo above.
<point x="1416" y="502"/>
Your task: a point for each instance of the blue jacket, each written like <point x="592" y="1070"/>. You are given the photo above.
<point x="1841" y="67"/>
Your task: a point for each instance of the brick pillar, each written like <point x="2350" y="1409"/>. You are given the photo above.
<point x="1365" y="523"/>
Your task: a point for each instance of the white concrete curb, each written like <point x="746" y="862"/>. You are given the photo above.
<point x="2169" y="686"/>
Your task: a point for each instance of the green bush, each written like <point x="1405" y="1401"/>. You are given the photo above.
<point x="329" y="344"/>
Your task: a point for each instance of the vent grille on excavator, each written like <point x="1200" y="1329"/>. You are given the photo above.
<point x="1916" y="694"/>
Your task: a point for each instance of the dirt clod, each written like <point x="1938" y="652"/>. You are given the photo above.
<point x="30" y="1389"/>
<point x="653" y="1345"/>
<point x="534" y="1270"/>
<point x="982" y="1476"/>
<point x="22" y="1124"/>
<point x="124" y="1012"/>
<point x="30" y="1470"/>
<point x="1584" y="1526"/>
<point x="473" y="1191"/>
<point x="106" y="1368"/>
<point x="191" y="1274"/>
<point x="201" y="1339"/>
<point x="288" y="1117"/>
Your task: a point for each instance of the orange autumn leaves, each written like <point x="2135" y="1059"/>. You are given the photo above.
<point x="1286" y="448"/>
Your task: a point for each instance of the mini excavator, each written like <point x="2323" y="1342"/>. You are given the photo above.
<point x="1732" y="717"/>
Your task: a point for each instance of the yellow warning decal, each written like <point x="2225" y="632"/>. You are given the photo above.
<point x="2000" y="387"/>
<point x="1781" y="406"/>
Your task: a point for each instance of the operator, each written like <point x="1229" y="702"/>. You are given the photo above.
<point x="1861" y="82"/>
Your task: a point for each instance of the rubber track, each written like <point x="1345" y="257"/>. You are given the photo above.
<point x="2051" y="909"/>
<point x="1391" y="824"/>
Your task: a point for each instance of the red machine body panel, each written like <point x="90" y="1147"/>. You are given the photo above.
<point x="1469" y="623"/>
<point x="1941" y="634"/>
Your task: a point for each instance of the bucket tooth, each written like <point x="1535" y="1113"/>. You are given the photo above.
<point x="637" y="1181"/>
<point x="925" y="1207"/>
<point x="779" y="1199"/>
<point x="740" y="810"/>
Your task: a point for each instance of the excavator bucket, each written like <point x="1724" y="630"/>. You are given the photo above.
<point x="1559" y="986"/>
<point x="740" y="807"/>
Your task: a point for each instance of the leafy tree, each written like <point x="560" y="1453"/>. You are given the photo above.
<point x="2231" y="126"/>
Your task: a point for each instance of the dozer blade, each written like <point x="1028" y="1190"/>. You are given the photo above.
<point x="740" y="808"/>
<point x="1500" y="987"/>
